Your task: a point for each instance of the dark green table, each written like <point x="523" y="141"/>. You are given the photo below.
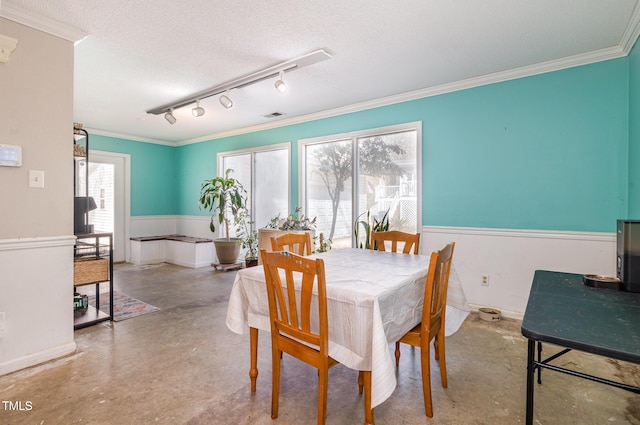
<point x="565" y="312"/>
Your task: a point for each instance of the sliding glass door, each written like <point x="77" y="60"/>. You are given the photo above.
<point x="363" y="176"/>
<point x="264" y="173"/>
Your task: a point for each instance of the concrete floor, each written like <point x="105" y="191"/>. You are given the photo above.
<point x="181" y="365"/>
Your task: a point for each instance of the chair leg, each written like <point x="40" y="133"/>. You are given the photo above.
<point x="397" y="353"/>
<point x="425" y="363"/>
<point x="275" y="382"/>
<point x="323" y="375"/>
<point x="360" y="382"/>
<point x="443" y="358"/>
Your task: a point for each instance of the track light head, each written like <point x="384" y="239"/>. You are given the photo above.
<point x="169" y="117"/>
<point x="281" y="86"/>
<point x="198" y="111"/>
<point x="226" y="101"/>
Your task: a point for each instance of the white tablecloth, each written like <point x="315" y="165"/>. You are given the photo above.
<point x="373" y="298"/>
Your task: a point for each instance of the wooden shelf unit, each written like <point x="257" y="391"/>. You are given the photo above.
<point x="93" y="265"/>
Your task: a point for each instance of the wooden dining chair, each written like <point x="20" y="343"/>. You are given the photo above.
<point x="411" y="240"/>
<point x="291" y="319"/>
<point x="432" y="325"/>
<point x="298" y="243"/>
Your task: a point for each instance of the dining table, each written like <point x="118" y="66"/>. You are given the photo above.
<point x="373" y="299"/>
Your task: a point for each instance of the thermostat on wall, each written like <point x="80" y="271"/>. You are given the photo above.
<point x="11" y="155"/>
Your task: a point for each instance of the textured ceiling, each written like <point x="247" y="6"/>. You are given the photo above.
<point x="142" y="54"/>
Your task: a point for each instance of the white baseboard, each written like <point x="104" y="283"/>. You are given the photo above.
<point x="36" y="358"/>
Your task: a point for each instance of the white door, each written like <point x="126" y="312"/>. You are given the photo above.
<point x="109" y="186"/>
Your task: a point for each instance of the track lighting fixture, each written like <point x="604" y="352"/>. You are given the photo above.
<point x="281" y="86"/>
<point x="169" y="117"/>
<point x="226" y="101"/>
<point x="198" y="111"/>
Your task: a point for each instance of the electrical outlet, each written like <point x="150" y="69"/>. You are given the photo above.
<point x="484" y="279"/>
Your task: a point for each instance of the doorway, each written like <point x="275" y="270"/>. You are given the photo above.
<point x="109" y="185"/>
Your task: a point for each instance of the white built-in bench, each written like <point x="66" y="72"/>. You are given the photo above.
<point x="183" y="250"/>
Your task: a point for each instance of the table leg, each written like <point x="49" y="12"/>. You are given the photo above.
<point x="253" y="371"/>
<point x="539" y="360"/>
<point x="530" y="380"/>
<point x="368" y="411"/>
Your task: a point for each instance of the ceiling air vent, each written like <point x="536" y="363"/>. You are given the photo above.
<point x="274" y="115"/>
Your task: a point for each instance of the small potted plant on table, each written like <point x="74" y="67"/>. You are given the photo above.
<point x="294" y="222"/>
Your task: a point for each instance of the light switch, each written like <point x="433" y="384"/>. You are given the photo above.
<point x="36" y="178"/>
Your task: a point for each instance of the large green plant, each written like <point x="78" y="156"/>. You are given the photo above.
<point x="223" y="196"/>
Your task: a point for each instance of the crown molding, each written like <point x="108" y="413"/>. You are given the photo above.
<point x="498" y="77"/>
<point x="97" y="132"/>
<point x="33" y="20"/>
<point x="632" y="31"/>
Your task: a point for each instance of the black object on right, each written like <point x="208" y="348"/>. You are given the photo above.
<point x="628" y="254"/>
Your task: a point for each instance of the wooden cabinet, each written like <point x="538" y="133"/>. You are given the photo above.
<point x="93" y="265"/>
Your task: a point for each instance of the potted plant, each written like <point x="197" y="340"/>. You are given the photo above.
<point x="224" y="196"/>
<point x="294" y="222"/>
<point x="381" y="225"/>
<point x="248" y="238"/>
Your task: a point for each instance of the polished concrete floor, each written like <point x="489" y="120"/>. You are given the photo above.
<point x="181" y="365"/>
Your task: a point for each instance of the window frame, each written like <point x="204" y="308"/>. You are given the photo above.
<point x="354" y="137"/>
<point x="253" y="151"/>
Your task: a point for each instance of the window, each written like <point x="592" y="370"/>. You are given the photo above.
<point x="343" y="178"/>
<point x="101" y="188"/>
<point x="264" y="173"/>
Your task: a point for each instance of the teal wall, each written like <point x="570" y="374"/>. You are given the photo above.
<point x="547" y="152"/>
<point x="153" y="173"/>
<point x="634" y="133"/>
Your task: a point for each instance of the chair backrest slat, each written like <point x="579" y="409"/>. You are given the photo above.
<point x="411" y="241"/>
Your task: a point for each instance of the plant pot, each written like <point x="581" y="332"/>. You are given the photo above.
<point x="251" y="261"/>
<point x="227" y="251"/>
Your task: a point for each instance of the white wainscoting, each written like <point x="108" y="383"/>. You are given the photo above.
<point x="196" y="226"/>
<point x="36" y="293"/>
<point x="156" y="225"/>
<point x="153" y="225"/>
<point x="510" y="258"/>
